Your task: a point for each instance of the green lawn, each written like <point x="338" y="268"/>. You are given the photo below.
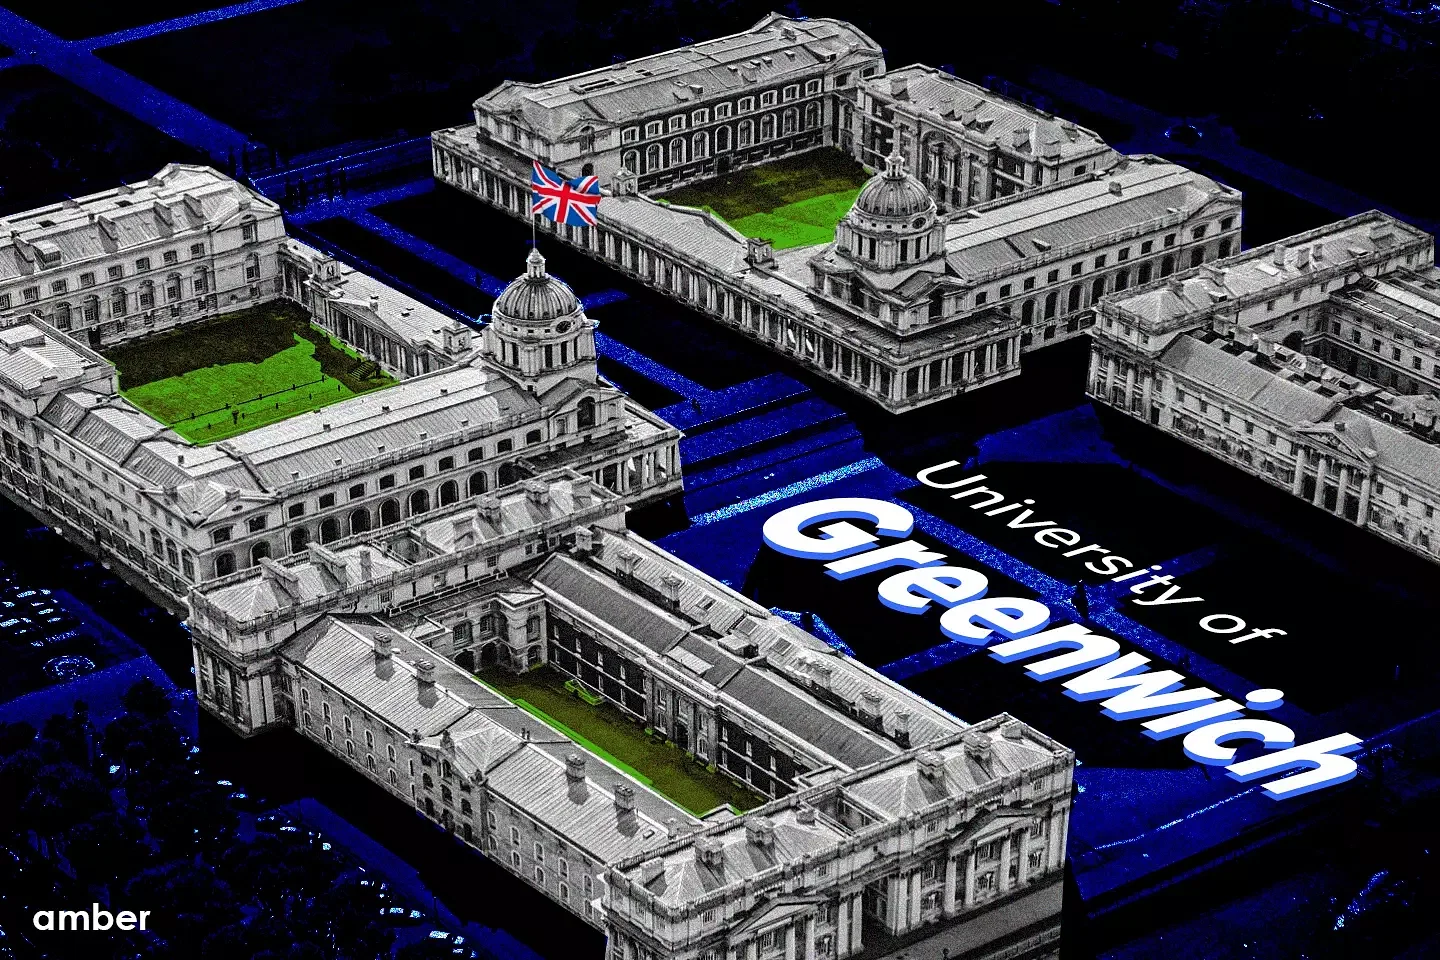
<point x="605" y="730"/>
<point x="222" y="377"/>
<point x="792" y="202"/>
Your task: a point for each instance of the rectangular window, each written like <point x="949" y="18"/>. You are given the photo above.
<point x="791" y="92"/>
<point x="115" y="272"/>
<point x="722" y="110"/>
<point x="257" y="524"/>
<point x="327" y="501"/>
<point x="630" y="135"/>
<point x="142" y="264"/>
<point x="747" y="104"/>
<point x="357" y="491"/>
<point x="87" y="279"/>
<point x="417" y="472"/>
<point x="387" y="481"/>
<point x="197" y="249"/>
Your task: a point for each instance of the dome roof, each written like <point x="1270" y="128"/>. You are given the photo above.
<point x="536" y="297"/>
<point x="894" y="194"/>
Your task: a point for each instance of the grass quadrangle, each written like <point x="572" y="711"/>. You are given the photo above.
<point x="219" y="378"/>
<point x="792" y="202"/>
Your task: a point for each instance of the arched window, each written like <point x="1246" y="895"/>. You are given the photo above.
<point x="631" y="161"/>
<point x="722" y="139"/>
<point x="1167" y="266"/>
<point x="746" y="135"/>
<point x="419" y="502"/>
<point x="700" y="146"/>
<point x="677" y="152"/>
<point x="90" y="310"/>
<point x="479" y="483"/>
<point x="767" y="127"/>
<point x="62" y="316"/>
<point x="1073" y="303"/>
<point x="259" y="551"/>
<point x="812" y="115"/>
<point x="585" y="415"/>
<point x="1051" y="299"/>
<point x="359" y="521"/>
<point x="202" y="281"/>
<point x="370" y="762"/>
<point x="224" y="564"/>
<point x="145" y="298"/>
<point x="588" y="170"/>
<point x="937" y="304"/>
<point x="507" y="475"/>
<point x="789" y="120"/>
<point x="394" y="780"/>
<point x="1197" y="256"/>
<point x="329" y="530"/>
<point x="587" y="141"/>
<point x="389" y="513"/>
<point x="1027" y="311"/>
<point x="119" y="302"/>
<point x="449" y="492"/>
<point x="299" y="537"/>
<point x="172" y="284"/>
<point x="654" y="158"/>
<point x="1097" y="289"/>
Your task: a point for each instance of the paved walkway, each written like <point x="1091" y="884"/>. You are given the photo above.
<point x="75" y="61"/>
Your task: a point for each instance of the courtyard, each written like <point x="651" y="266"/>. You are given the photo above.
<point x="217" y="378"/>
<point x="792" y="202"/>
<point x="604" y="730"/>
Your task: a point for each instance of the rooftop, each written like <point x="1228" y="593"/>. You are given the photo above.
<point x="773" y="50"/>
<point x="945" y="98"/>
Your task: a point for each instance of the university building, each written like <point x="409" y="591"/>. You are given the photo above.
<point x="913" y="301"/>
<point x="464" y="418"/>
<point x="890" y="823"/>
<point x="1311" y="363"/>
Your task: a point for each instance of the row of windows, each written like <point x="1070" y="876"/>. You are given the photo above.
<point x="116" y="271"/>
<point x="681" y="150"/>
<point x="721" y="111"/>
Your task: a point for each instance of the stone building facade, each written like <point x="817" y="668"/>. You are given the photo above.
<point x="783" y="86"/>
<point x="1310" y="363"/>
<point x="188" y="243"/>
<point x="463" y="420"/>
<point x="1055" y="218"/>
<point x="893" y="823"/>
<point x="967" y="144"/>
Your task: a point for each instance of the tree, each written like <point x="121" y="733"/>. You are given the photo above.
<point x="70" y="736"/>
<point x="109" y="846"/>
<point x="15" y="737"/>
<point x="62" y="796"/>
<point x="191" y="898"/>
<point x="147" y="699"/>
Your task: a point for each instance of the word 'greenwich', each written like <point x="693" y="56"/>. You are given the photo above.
<point x="1123" y="683"/>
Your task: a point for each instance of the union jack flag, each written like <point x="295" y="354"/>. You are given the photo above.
<point x="564" y="201"/>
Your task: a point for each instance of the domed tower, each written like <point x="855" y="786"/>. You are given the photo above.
<point x="893" y="224"/>
<point x="538" y="331"/>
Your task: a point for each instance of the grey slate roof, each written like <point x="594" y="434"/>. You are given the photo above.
<point x="775" y="49"/>
<point x="607" y="601"/>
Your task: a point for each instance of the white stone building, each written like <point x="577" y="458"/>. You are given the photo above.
<point x="188" y="243"/>
<point x="1311" y="364"/>
<point x="783" y="86"/>
<point x="934" y="285"/>
<point x="894" y="824"/>
<point x="968" y="144"/>
<point x="169" y="513"/>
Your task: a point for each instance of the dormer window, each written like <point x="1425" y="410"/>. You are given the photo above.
<point x="630" y="135"/>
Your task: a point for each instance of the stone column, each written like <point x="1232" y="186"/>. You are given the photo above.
<point x="1298" y="484"/>
<point x="790" y="942"/>
<point x="1004" y="878"/>
<point x="1321" y="472"/>
<point x="810" y="938"/>
<point x="1023" y="842"/>
<point x="990" y="351"/>
<point x="968" y="894"/>
<point x="1129" y="385"/>
<point x="1149" y="391"/>
<point x="857" y="911"/>
<point x="842" y="928"/>
<point x="1364" y="516"/>
<point x="912" y="896"/>
<point x="948" y="897"/>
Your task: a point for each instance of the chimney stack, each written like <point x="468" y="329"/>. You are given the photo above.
<point x="425" y="673"/>
<point x="1278" y="256"/>
<point x="931" y="765"/>
<point x="538" y="491"/>
<point x="760" y="832"/>
<point x="672" y="827"/>
<point x="624" y="798"/>
<point x="374" y="304"/>
<point x="1116" y="188"/>
<point x="489" y="510"/>
<point x="805" y="814"/>
<point x="575" y="768"/>
<point x="709" y="851"/>
<point x="1302" y="257"/>
<point x="1317" y="252"/>
<point x="382" y="650"/>
<point x="670" y="585"/>
<point x="584" y="539"/>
